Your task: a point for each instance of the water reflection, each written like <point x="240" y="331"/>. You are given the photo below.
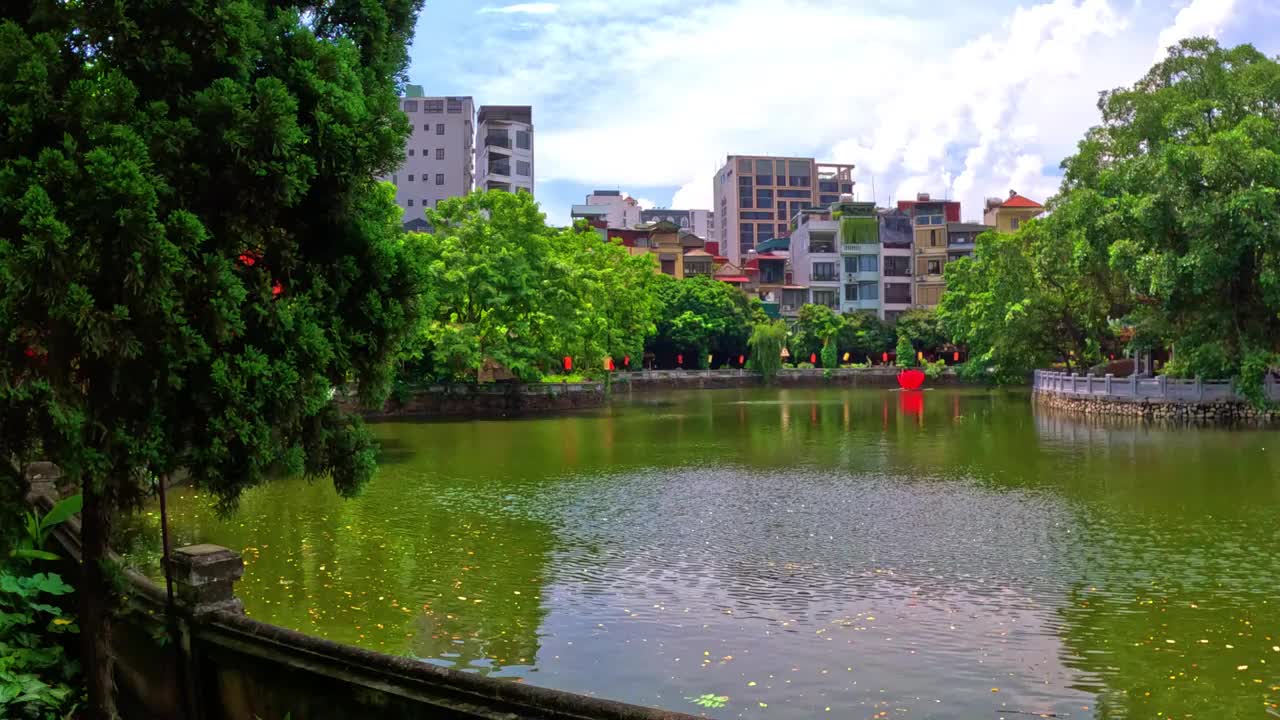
<point x="931" y="554"/>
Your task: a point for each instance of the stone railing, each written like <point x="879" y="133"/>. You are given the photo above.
<point x="1150" y="397"/>
<point x="1158" y="388"/>
<point x="209" y="661"/>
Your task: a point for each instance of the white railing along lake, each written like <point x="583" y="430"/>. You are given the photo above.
<point x="1158" y="388"/>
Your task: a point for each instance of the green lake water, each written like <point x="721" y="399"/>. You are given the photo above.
<point x="806" y="553"/>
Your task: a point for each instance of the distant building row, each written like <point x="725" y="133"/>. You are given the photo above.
<point x="452" y="150"/>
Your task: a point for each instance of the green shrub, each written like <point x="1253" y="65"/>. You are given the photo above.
<point x="906" y="353"/>
<point x="933" y="370"/>
<point x="766" y="343"/>
<point x="805" y="365"/>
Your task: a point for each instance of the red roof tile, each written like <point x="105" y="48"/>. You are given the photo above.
<point x="1017" y="201"/>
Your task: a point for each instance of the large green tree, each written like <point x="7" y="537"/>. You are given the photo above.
<point x="815" y="332"/>
<point x="1184" y="172"/>
<point x="193" y="250"/>
<point x="513" y="291"/>
<point x="700" y="315"/>
<point x="865" y="333"/>
<point x="1031" y="298"/>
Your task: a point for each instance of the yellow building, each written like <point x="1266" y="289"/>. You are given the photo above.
<point x="1009" y="215"/>
<point x="929" y="220"/>
<point x="660" y="239"/>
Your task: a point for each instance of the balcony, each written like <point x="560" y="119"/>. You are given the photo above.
<point x="861" y="276"/>
<point x="822" y="244"/>
<point x="499" y="168"/>
<point x="498" y="140"/>
<point x="855" y="305"/>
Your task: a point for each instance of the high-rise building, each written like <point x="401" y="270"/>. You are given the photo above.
<point x="439" y="154"/>
<point x="756" y="196"/>
<point x="699" y="222"/>
<point x="930" y="218"/>
<point x="621" y="211"/>
<point x="504" y="154"/>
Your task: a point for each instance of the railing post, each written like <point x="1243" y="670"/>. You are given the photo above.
<point x="1133" y="385"/>
<point x="1088" y="383"/>
<point x="1164" y="387"/>
<point x="1106" y="384"/>
<point x="1073" y="382"/>
<point x="204" y="578"/>
<point x="1199" y="389"/>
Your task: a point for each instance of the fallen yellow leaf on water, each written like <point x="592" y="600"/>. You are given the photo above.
<point x="763" y="704"/>
<point x="1242" y="667"/>
<point x="751" y="684"/>
<point x="995" y="689"/>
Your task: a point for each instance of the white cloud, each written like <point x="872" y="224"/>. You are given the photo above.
<point x="537" y="8"/>
<point x="958" y="101"/>
<point x="1201" y="17"/>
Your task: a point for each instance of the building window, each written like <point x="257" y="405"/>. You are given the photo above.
<point x="830" y="298"/>
<point x="851" y="293"/>
<point x="522" y="168"/>
<point x="935" y="267"/>
<point x="410" y="152"/>
<point x="746" y="234"/>
<point x="933" y="238"/>
<point x="783" y="229"/>
<point x="410" y="106"/>
<point x="522" y="139"/>
<point x="764" y="172"/>
<point x="764" y="199"/>
<point x="923" y="219"/>
<point x="744" y="198"/>
<point x="744" y="167"/>
<point x="668" y="267"/>
<point x="824" y="271"/>
<point x="753" y="215"/>
<point x="440" y="153"/>
<point x="764" y="231"/>
<point x="846" y="188"/>
<point x="410" y="178"/>
<point x="868" y="291"/>
<point x="439" y="128"/>
<point x="861" y="263"/>
<point x="410" y="202"/>
<point x="1013" y="222"/>
<point x="439" y="178"/>
<point x="897" y="266"/>
<point x="744" y="181"/>
<point x="434" y="107"/>
<point x="426" y="127"/>
<point x="799" y="173"/>
<point x="795" y="194"/>
<point x="897" y="293"/>
<point x="455" y="106"/>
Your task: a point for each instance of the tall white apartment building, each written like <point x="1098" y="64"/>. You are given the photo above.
<point x="439" y="160"/>
<point x="504" y="154"/>
<point x="623" y="211"/>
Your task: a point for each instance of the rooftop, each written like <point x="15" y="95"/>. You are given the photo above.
<point x="508" y="113"/>
<point x="1017" y="201"/>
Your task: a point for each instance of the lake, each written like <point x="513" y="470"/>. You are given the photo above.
<point x="801" y="553"/>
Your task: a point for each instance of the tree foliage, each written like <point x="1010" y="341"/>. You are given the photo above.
<point x="766" y="342"/>
<point x="866" y="334"/>
<point x="816" y="328"/>
<point x="193" y="251"/>
<point x="905" y="354"/>
<point x="511" y="290"/>
<point x="923" y="328"/>
<point x="700" y="315"/>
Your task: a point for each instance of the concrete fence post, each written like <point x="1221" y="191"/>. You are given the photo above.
<point x="1088" y="384"/>
<point x="1199" y="389"/>
<point x="1133" y="385"/>
<point x="204" y="578"/>
<point x="1106" y="383"/>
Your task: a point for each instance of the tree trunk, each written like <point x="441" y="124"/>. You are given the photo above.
<point x="96" y="601"/>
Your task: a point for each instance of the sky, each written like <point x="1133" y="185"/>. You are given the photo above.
<point x="964" y="99"/>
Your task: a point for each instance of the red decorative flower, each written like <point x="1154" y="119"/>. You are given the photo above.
<point x="910" y="379"/>
<point x="248" y="260"/>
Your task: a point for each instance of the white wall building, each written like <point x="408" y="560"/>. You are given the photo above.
<point x="439" y="154"/>
<point x="699" y="222"/>
<point x="504" y="150"/>
<point x="622" y="211"/>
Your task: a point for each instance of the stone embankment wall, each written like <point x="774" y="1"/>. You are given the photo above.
<point x="652" y="380"/>
<point x="1155" y="409"/>
<point x="493" y="400"/>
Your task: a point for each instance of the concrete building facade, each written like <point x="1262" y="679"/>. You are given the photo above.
<point x="1009" y="214"/>
<point x="439" y="160"/>
<point x="860" y="256"/>
<point x="896" y="250"/>
<point x="621" y="211"/>
<point x="815" y="257"/>
<point x="699" y="222"/>
<point x="756" y="196"/>
<point x="929" y="217"/>
<point x="504" y="150"/>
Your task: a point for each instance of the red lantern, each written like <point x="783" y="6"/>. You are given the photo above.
<point x="742" y="359"/>
<point x="626" y="361"/>
<point x="608" y="364"/>
<point x="813" y="358"/>
<point x="955" y="356"/>
<point x="277" y="289"/>
<point x="680" y="360"/>
<point x="884" y="357"/>
<point x="568" y="363"/>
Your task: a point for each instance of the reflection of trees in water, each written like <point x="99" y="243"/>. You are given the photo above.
<point x="1167" y="619"/>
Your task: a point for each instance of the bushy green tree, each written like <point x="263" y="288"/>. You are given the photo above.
<point x="766" y="342"/>
<point x="865" y="333"/>
<point x="193" y="249"/>
<point x="701" y="315"/>
<point x="1030" y="298"/>
<point x="906" y="355"/>
<point x="816" y="327"/>
<point x="1183" y="173"/>
<point x="923" y="328"/>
